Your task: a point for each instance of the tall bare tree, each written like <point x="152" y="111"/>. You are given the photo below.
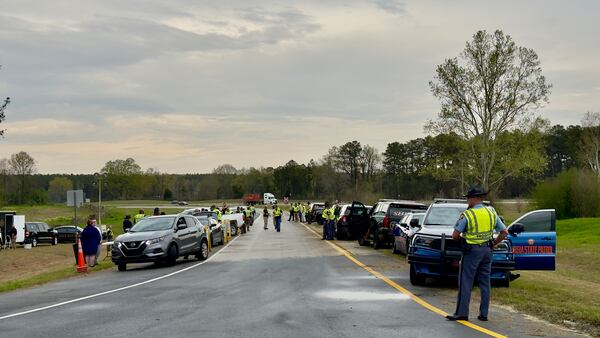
<point x="23" y="166"/>
<point x="3" y="105"/>
<point x="492" y="87"/>
<point x="591" y="141"/>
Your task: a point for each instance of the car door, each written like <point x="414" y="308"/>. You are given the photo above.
<point x="183" y="234"/>
<point x="533" y="239"/>
<point x="193" y="234"/>
<point x="357" y="218"/>
<point x="44" y="233"/>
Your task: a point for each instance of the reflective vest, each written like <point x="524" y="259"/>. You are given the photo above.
<point x="248" y="212"/>
<point x="296" y="208"/>
<point x="138" y="217"/>
<point x="480" y="225"/>
<point x="277" y="212"/>
<point x="219" y="214"/>
<point x="329" y="214"/>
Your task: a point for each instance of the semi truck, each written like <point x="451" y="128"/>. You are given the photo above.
<point x="254" y="198"/>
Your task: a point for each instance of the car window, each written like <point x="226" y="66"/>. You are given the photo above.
<point x="154" y="224"/>
<point x="358" y="211"/>
<point x="190" y="222"/>
<point x="419" y="217"/>
<point x="203" y="220"/>
<point x="540" y="221"/>
<point x="43" y="226"/>
<point x="446" y="215"/>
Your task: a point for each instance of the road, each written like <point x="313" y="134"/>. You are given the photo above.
<point x="263" y="284"/>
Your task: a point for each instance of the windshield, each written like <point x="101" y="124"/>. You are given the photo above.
<point x="419" y="217"/>
<point x="203" y="220"/>
<point x="153" y="224"/>
<point x="446" y="215"/>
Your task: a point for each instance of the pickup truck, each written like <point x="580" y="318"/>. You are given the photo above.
<point x="530" y="245"/>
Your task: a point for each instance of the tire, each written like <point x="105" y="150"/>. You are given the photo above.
<point x="505" y="283"/>
<point x="234" y="230"/>
<point x="202" y="255"/>
<point x="54" y="240"/>
<point x="361" y="241"/>
<point x="34" y="242"/>
<point x="415" y="279"/>
<point x="122" y="266"/>
<point x="172" y="255"/>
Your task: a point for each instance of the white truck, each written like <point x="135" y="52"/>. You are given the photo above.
<point x="269" y="199"/>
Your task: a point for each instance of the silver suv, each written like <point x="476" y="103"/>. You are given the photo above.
<point x="161" y="239"/>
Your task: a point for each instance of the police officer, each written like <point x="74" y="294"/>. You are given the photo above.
<point x="277" y="217"/>
<point x="218" y="211"/>
<point x="476" y="228"/>
<point x="139" y="216"/>
<point x="328" y="220"/>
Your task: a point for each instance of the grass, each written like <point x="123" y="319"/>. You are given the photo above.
<point x="572" y="292"/>
<point x="48" y="276"/>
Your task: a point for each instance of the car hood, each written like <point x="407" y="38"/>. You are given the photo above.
<point x="142" y="236"/>
<point x="436" y="230"/>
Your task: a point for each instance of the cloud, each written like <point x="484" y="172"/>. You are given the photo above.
<point x="392" y="6"/>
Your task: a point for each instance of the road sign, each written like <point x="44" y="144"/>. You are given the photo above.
<point x="74" y="198"/>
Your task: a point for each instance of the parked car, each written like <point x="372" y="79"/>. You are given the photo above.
<point x="40" y="232"/>
<point x="315" y="213"/>
<point x="382" y="219"/>
<point x="235" y="221"/>
<point x="67" y="233"/>
<point x="161" y="239"/>
<point x="182" y="203"/>
<point x="404" y="231"/>
<point x="217" y="235"/>
<point x="531" y="245"/>
<point x="350" y="219"/>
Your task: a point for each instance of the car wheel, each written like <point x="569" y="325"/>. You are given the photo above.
<point x="361" y="241"/>
<point x="54" y="240"/>
<point x="503" y="283"/>
<point x="122" y="266"/>
<point x="203" y="254"/>
<point x="172" y="255"/>
<point x="415" y="279"/>
<point x="34" y="242"/>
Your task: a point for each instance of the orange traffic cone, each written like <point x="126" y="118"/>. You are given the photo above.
<point x="81" y="267"/>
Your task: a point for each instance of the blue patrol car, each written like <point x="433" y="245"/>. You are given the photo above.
<point x="530" y="245"/>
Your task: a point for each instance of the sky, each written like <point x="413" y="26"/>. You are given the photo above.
<point x="184" y="86"/>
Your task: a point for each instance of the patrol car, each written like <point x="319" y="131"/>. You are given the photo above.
<point x="530" y="245"/>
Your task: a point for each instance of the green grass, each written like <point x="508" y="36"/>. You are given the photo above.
<point x="49" y="276"/>
<point x="572" y="292"/>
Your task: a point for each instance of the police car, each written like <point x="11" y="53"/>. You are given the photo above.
<point x="530" y="245"/>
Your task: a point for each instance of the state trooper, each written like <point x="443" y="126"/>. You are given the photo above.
<point x="476" y="229"/>
<point x="328" y="222"/>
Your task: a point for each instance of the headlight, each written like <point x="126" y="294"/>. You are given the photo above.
<point x="155" y="240"/>
<point x="423" y="241"/>
<point x="502" y="246"/>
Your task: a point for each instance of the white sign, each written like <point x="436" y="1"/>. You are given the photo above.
<point x="74" y="198"/>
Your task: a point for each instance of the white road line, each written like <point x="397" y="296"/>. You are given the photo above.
<point x="119" y="289"/>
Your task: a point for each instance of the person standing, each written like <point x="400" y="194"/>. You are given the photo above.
<point x="266" y="217"/>
<point x="139" y="216"/>
<point x="90" y="239"/>
<point x="476" y="229"/>
<point x="99" y="251"/>
<point x="291" y="212"/>
<point x="247" y="219"/>
<point x="325" y="216"/>
<point x="277" y="217"/>
<point x="12" y="235"/>
<point x="127" y="224"/>
<point x="156" y="212"/>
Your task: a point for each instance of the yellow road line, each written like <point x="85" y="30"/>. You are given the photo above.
<point x="412" y="296"/>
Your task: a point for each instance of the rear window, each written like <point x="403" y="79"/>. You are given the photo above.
<point x="398" y="210"/>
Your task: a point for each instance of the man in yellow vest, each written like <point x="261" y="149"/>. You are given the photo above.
<point x="218" y="211"/>
<point x="476" y="228"/>
<point x="139" y="216"/>
<point x="328" y="222"/>
<point x="277" y="217"/>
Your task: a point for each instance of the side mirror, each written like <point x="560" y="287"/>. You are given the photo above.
<point x="414" y="223"/>
<point x="516" y="228"/>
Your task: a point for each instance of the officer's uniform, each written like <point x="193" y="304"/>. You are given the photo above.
<point x="138" y="218"/>
<point x="477" y="226"/>
<point x="329" y="223"/>
<point x="277" y="218"/>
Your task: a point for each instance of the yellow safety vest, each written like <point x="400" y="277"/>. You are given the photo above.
<point x="329" y="214"/>
<point x="219" y="214"/>
<point x="480" y="225"/>
<point x="277" y="212"/>
<point x="138" y="217"/>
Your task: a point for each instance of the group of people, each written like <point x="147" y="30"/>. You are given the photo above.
<point x="298" y="212"/>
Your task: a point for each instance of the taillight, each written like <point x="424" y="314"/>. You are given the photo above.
<point x="386" y="222"/>
<point x="343" y="219"/>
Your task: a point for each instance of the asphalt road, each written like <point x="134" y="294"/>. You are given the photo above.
<point x="263" y="284"/>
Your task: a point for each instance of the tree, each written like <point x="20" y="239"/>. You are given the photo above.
<point x="369" y="161"/>
<point x="591" y="141"/>
<point x="22" y="165"/>
<point x="121" y="177"/>
<point x="225" y="169"/>
<point x="346" y="159"/>
<point x="57" y="189"/>
<point x="2" y="108"/>
<point x="492" y="87"/>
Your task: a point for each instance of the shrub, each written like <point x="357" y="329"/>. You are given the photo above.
<point x="573" y="193"/>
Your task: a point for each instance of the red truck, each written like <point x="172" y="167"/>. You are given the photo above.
<point x="251" y="199"/>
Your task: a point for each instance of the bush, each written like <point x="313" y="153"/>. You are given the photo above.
<point x="573" y="193"/>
